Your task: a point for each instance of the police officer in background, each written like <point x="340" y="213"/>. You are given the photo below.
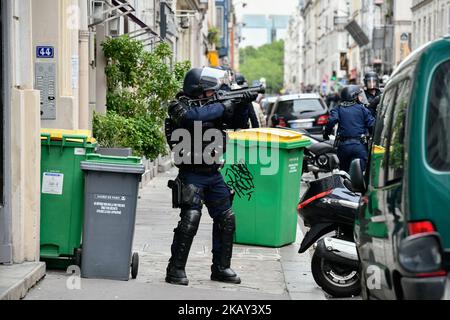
<point x="247" y="111"/>
<point x="373" y="92"/>
<point x="201" y="183"/>
<point x="355" y="123"/>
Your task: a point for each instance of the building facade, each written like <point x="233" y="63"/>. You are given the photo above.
<point x="325" y="40"/>
<point x="387" y="25"/>
<point x="293" y="57"/>
<point x="431" y="20"/>
<point x="53" y="76"/>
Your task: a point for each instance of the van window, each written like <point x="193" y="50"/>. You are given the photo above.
<point x="381" y="136"/>
<point x="396" y="142"/>
<point x="438" y="140"/>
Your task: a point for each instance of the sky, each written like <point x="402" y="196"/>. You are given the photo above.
<point x="277" y="7"/>
<point x="259" y="37"/>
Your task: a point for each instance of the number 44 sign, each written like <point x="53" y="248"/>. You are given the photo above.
<point x="45" y="52"/>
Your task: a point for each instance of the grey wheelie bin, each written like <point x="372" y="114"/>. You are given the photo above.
<point x="111" y="192"/>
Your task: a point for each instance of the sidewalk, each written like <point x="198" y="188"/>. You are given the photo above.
<point x="17" y="279"/>
<point x="267" y="274"/>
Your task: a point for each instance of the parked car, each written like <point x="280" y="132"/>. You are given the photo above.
<point x="267" y="104"/>
<point x="300" y="111"/>
<point x="403" y="226"/>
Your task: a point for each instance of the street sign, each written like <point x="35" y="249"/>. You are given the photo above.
<point x="404" y="37"/>
<point x="45" y="52"/>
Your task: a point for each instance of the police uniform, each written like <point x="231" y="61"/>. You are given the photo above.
<point x="202" y="184"/>
<point x="355" y="121"/>
<point x="374" y="100"/>
<point x="372" y="83"/>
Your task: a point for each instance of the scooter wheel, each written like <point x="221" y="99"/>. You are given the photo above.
<point x="336" y="280"/>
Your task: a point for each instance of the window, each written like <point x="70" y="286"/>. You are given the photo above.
<point x="299" y="107"/>
<point x="396" y="147"/>
<point x="381" y="137"/>
<point x="438" y="123"/>
<point x="220" y="20"/>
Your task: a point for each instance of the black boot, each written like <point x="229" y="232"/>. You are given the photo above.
<point x="221" y="269"/>
<point x="184" y="235"/>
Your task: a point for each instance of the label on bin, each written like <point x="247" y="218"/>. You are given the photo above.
<point x="52" y="183"/>
<point x="80" y="151"/>
<point x="109" y="204"/>
<point x="293" y="165"/>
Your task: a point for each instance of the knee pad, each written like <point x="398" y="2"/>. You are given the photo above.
<point x="227" y="222"/>
<point x="190" y="221"/>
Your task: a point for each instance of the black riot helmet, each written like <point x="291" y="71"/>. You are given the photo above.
<point x="353" y="94"/>
<point x="241" y="81"/>
<point x="200" y="80"/>
<point x="371" y="80"/>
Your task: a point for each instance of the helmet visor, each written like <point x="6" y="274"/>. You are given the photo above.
<point x="372" y="84"/>
<point x="213" y="79"/>
<point x="362" y="98"/>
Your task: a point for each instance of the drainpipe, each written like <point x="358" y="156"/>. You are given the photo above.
<point x="83" y="46"/>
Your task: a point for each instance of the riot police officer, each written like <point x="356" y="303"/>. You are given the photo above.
<point x="355" y="123"/>
<point x="200" y="182"/>
<point x="373" y="92"/>
<point x="248" y="111"/>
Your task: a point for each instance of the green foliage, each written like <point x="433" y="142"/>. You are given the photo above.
<point x="214" y="36"/>
<point x="139" y="133"/>
<point x="140" y="84"/>
<point x="264" y="62"/>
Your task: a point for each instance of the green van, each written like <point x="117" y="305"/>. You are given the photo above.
<point x="403" y="228"/>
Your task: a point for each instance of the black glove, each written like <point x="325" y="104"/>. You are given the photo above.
<point x="248" y="97"/>
<point x="374" y="104"/>
<point x="230" y="108"/>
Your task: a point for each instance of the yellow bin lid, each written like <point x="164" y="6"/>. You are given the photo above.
<point x="267" y="135"/>
<point x="57" y="135"/>
<point x="378" y="150"/>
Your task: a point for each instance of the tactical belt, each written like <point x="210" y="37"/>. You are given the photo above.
<point x="345" y="139"/>
<point x="201" y="170"/>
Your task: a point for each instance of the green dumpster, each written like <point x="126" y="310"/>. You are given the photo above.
<point x="62" y="194"/>
<point x="264" y="168"/>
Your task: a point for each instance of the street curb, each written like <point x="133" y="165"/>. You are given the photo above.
<point x="20" y="289"/>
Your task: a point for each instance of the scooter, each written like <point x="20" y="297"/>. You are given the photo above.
<point x="317" y="155"/>
<point x="329" y="208"/>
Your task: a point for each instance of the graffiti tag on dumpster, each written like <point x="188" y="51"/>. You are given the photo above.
<point x="240" y="179"/>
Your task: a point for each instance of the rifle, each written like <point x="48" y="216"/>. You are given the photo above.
<point x="239" y="94"/>
<point x="222" y="95"/>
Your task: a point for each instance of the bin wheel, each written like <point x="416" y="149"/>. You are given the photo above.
<point x="78" y="257"/>
<point x="134" y="265"/>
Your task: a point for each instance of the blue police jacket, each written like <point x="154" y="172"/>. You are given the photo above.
<point x="354" y="121"/>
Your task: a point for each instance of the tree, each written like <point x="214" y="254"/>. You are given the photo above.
<point x="140" y="84"/>
<point x="264" y="62"/>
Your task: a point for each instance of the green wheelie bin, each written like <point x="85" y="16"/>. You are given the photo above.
<point x="374" y="228"/>
<point x="264" y="168"/>
<point x="62" y="194"/>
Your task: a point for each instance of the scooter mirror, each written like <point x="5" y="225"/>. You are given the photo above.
<point x="357" y="176"/>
